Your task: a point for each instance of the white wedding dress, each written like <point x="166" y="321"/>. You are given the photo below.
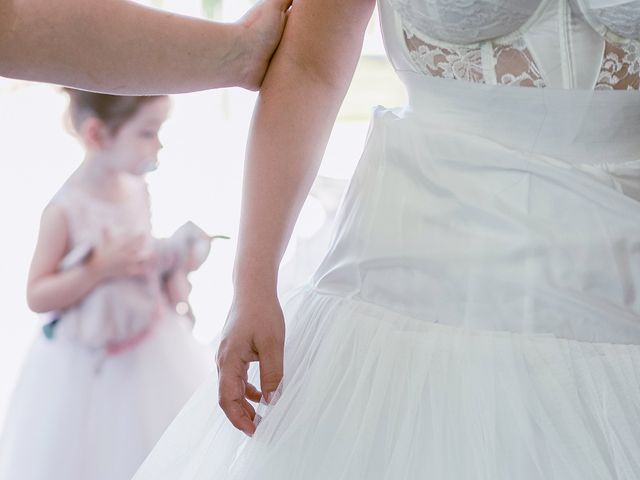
<point x="477" y="316"/>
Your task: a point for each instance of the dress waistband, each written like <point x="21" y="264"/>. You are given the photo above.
<point x="577" y="126"/>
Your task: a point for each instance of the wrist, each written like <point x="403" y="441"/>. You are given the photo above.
<point x="234" y="59"/>
<point x="254" y="282"/>
<point x="244" y="56"/>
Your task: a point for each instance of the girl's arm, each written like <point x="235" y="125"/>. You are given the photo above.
<point x="49" y="290"/>
<point x="116" y="46"/>
<point x="299" y="101"/>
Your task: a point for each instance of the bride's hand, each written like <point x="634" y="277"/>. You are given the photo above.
<point x="254" y="331"/>
<point x="263" y="26"/>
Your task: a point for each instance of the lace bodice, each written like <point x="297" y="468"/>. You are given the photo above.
<point x="585" y="44"/>
<point x="465" y="21"/>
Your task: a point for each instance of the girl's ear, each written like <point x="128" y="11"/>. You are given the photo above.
<point x="95" y="133"/>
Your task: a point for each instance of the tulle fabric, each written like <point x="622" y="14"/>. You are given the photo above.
<point x="372" y="394"/>
<point x="76" y="414"/>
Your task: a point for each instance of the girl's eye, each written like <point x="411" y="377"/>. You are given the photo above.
<point x="148" y="134"/>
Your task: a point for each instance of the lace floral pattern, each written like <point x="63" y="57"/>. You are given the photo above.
<point x="466" y="53"/>
<point x="459" y="64"/>
<point x="465" y="21"/>
<point x="623" y="20"/>
<point x="514" y="64"/>
<point x="620" y="67"/>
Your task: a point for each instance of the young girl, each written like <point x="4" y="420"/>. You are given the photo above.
<point x="115" y="362"/>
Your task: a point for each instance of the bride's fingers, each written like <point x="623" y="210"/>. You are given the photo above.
<point x="252" y="393"/>
<point x="249" y="410"/>
<point x="231" y="395"/>
<point x="237" y="412"/>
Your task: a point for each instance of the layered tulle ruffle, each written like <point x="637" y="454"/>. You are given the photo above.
<point x="369" y="393"/>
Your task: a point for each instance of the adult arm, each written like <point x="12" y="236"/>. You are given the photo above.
<point x="120" y="47"/>
<point x="299" y="101"/>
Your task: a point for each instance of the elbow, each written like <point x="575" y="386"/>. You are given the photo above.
<point x="35" y="302"/>
<point x="314" y="71"/>
<point x="35" y="306"/>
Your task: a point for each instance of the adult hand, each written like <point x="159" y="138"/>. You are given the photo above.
<point x="254" y="331"/>
<point x="264" y="25"/>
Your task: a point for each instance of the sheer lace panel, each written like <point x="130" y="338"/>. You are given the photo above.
<point x="515" y="66"/>
<point x="512" y="63"/>
<point x="465" y="21"/>
<point x="461" y="63"/>
<point x="620" y="67"/>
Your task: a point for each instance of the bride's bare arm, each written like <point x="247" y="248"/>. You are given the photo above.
<point x="117" y="46"/>
<point x="299" y="101"/>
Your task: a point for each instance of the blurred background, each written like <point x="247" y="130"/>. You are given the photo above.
<point x="199" y="179"/>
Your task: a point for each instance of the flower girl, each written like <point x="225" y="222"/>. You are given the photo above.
<point x="115" y="362"/>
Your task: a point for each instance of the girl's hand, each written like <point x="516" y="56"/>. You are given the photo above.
<point x="254" y="331"/>
<point x="115" y="258"/>
<point x="262" y="28"/>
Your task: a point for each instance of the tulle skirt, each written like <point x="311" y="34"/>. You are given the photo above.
<point x="477" y="314"/>
<point x="370" y="394"/>
<point x="79" y="415"/>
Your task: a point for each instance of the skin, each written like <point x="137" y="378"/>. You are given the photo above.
<point x="110" y="160"/>
<point x="146" y="51"/>
<point x="298" y="104"/>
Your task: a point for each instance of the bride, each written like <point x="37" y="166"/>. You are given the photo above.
<point x="477" y="315"/>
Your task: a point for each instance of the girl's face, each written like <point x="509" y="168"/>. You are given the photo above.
<point x="135" y="146"/>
